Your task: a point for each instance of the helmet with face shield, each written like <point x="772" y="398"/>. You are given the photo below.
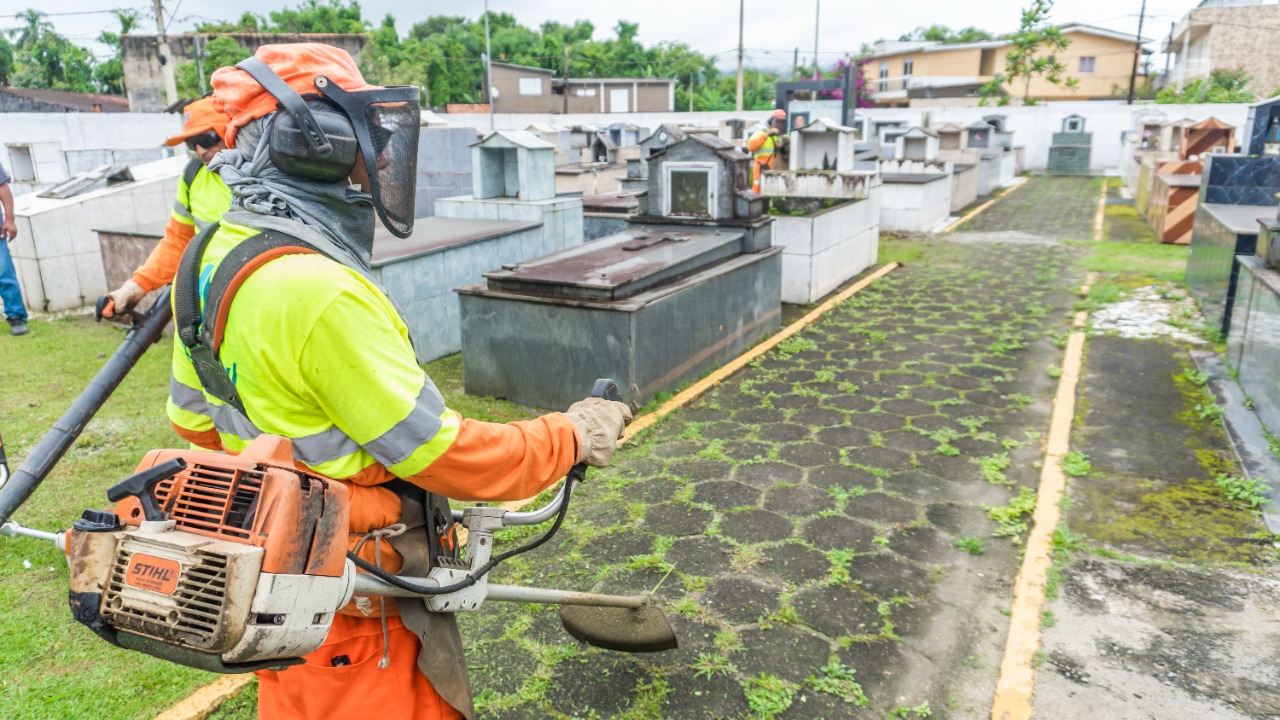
<point x="328" y="119"/>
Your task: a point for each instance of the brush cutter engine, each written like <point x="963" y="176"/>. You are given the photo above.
<point x="227" y="563"/>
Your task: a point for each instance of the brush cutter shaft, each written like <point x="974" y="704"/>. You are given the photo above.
<point x="370" y="585"/>
<point x="64" y="432"/>
<point x="13" y="529"/>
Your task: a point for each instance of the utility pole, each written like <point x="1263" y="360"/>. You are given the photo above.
<point x="1168" y="51"/>
<point x="488" y="64"/>
<point x="817" y="11"/>
<point x="199" y="63"/>
<point x="1137" y="53"/>
<point x="164" y="54"/>
<point x="795" y="63"/>
<point x="566" y="79"/>
<point x="742" y="10"/>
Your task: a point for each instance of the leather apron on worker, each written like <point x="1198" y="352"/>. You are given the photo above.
<point x="441" y="657"/>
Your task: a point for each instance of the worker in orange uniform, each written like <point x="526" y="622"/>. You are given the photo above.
<point x="201" y="201"/>
<point x="302" y="343"/>
<point x="765" y="146"/>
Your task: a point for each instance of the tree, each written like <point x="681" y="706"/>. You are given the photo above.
<point x="110" y="74"/>
<point x="1033" y="51"/>
<point x="219" y="52"/>
<point x="1222" y="86"/>
<point x="45" y="59"/>
<point x="6" y="61"/>
<point x="947" y="36"/>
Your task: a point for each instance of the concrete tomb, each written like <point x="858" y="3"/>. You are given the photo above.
<point x="690" y="284"/>
<point x="916" y="195"/>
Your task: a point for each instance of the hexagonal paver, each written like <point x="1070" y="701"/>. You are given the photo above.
<point x="841" y="476"/>
<point x="620" y="545"/>
<point x="918" y="485"/>
<point x="740" y="599"/>
<point x="798" y="500"/>
<point x="756" y="526"/>
<point x="725" y="494"/>
<point x="760" y="416"/>
<point x="783" y="432"/>
<point x="809" y="454"/>
<point x="907" y="441"/>
<point x="784" y="651"/>
<point x="857" y="402"/>
<point x="794" y="563"/>
<point x="677" y="519"/>
<point x="924" y="544"/>
<point x="700" y="556"/>
<point x="835" y="611"/>
<point x="723" y="431"/>
<point x="907" y="408"/>
<point x="594" y="683"/>
<point x="883" y="458"/>
<point x="839" y="533"/>
<point x="878" y="422"/>
<point x="818" y="417"/>
<point x="690" y="695"/>
<point x="844" y="436"/>
<point x="741" y="450"/>
<point x="700" y="469"/>
<point x="767" y="474"/>
<point x="887" y="575"/>
<point x="883" y="509"/>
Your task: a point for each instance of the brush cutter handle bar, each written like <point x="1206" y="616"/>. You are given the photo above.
<point x="64" y="432"/>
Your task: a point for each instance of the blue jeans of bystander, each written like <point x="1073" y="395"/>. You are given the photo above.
<point x="10" y="293"/>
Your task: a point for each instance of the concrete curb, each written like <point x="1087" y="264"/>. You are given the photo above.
<point x="201" y="703"/>
<point x="1248" y="437"/>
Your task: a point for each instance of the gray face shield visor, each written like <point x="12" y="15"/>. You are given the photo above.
<point x="380" y="123"/>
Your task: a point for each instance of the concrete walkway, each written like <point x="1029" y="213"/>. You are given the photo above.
<point x="817" y="524"/>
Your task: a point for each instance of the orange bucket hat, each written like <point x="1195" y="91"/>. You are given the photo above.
<point x="200" y="117"/>
<point x="297" y="64"/>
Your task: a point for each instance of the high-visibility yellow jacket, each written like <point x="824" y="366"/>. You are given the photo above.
<point x="763" y="148"/>
<point x="197" y="205"/>
<point x="319" y="354"/>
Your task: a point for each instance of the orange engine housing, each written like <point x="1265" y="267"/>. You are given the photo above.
<point x="258" y="498"/>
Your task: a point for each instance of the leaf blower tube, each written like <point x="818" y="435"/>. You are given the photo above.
<point x="64" y="432"/>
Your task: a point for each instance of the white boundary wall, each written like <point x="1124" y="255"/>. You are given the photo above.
<point x="58" y="140"/>
<point x="1032" y="127"/>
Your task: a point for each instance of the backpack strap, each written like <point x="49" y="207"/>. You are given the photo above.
<point x="200" y="330"/>
<point x="189" y="174"/>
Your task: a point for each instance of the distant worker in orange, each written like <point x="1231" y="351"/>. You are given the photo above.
<point x="765" y="145"/>
<point x="202" y="200"/>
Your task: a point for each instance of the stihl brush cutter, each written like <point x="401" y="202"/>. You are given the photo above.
<point x="236" y="563"/>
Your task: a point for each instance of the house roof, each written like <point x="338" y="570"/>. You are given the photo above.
<point x="545" y="128"/>
<point x="978" y="125"/>
<point x="674" y="132"/>
<point x="949" y="128"/>
<point x="514" y="138"/>
<point x="928" y="46"/>
<point x="597" y="81"/>
<point x="72" y="101"/>
<point x="524" y="67"/>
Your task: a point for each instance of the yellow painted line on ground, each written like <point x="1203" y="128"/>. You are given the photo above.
<point x="1016" y="686"/>
<point x="1100" y="218"/>
<point x="974" y="212"/>
<point x="697" y="389"/>
<point x="204" y="701"/>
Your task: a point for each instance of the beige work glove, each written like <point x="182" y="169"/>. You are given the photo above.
<point x="126" y="296"/>
<point x="599" y="423"/>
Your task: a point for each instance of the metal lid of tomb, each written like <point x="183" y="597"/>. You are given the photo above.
<point x="620" y="266"/>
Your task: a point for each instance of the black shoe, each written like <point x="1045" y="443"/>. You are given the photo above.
<point x="18" y="327"/>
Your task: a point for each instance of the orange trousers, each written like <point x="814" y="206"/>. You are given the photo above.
<point x="361" y="689"/>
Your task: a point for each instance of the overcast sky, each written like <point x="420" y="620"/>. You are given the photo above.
<point x="773" y="29"/>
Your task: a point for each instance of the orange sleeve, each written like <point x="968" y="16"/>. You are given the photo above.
<point x="207" y="439"/>
<point x="162" y="264"/>
<point x="493" y="461"/>
<point x="756" y="141"/>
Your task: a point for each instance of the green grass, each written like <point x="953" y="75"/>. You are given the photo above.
<point x="1164" y="262"/>
<point x="53" y="667"/>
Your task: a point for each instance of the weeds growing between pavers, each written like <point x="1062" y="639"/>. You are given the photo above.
<point x="1056" y="207"/>
<point x="797" y="517"/>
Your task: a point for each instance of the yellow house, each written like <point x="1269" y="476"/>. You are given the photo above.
<point x="902" y="72"/>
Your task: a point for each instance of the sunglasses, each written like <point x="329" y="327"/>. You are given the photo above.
<point x="206" y="139"/>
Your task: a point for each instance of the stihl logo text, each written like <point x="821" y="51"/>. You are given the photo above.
<point x="147" y="572"/>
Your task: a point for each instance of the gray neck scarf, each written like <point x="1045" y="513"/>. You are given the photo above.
<point x="334" y="216"/>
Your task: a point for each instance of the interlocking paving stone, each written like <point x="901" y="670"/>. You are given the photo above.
<point x="824" y="513"/>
